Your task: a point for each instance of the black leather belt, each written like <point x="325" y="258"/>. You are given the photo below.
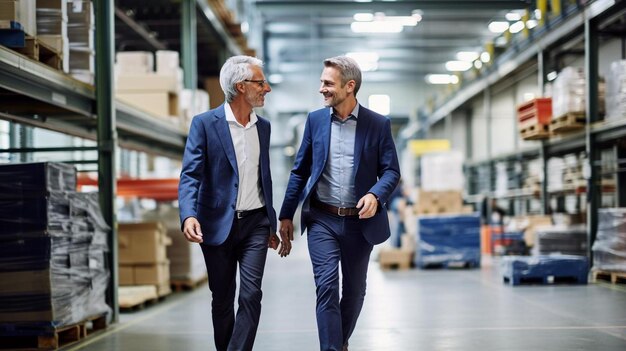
<point x="338" y="211"/>
<point x="243" y="214"/>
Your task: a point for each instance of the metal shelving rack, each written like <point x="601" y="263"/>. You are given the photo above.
<point x="36" y="95"/>
<point x="583" y="24"/>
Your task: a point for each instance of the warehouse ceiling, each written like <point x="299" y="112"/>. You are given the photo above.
<point x="298" y="35"/>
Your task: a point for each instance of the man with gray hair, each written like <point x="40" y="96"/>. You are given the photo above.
<point x="345" y="170"/>
<point x="225" y="199"/>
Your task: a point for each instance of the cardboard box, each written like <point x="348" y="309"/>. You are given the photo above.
<point x="156" y="274"/>
<point x="22" y="11"/>
<point x="437" y="202"/>
<point x="26" y="281"/>
<point x="144" y="243"/>
<point x="151" y="82"/>
<point x="167" y="61"/>
<point x="161" y="104"/>
<point x="134" y="62"/>
<point x="145" y="274"/>
<point x="216" y="94"/>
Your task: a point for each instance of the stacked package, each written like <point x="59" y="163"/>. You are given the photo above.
<point x="566" y="240"/>
<point x="52" y="28"/>
<point x="569" y="92"/>
<point x="20" y="11"/>
<point x="142" y="255"/>
<point x="186" y="259"/>
<point x="448" y="239"/>
<point x="439" y="202"/>
<point x="80" y="31"/>
<point x="540" y="269"/>
<point x="157" y="93"/>
<point x="52" y="267"/>
<point x="616" y="91"/>
<point x="609" y="249"/>
<point x="442" y="171"/>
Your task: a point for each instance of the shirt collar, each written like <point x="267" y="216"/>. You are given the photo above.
<point x="354" y="113"/>
<point x="230" y="116"/>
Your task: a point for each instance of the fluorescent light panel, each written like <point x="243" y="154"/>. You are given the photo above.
<point x="442" y="79"/>
<point x="458" y="66"/>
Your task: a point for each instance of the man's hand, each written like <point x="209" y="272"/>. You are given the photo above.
<point x="286" y="236"/>
<point x="368" y="205"/>
<point x="273" y="241"/>
<point x="191" y="229"/>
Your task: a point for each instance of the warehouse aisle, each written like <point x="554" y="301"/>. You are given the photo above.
<point x="404" y="310"/>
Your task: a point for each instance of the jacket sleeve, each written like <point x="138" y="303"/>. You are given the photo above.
<point x="388" y="166"/>
<point x="299" y="174"/>
<point x="192" y="169"/>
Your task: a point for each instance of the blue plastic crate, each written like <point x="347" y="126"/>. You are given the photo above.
<point x="447" y="240"/>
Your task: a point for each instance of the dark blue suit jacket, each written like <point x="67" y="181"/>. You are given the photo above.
<point x="375" y="162"/>
<point x="210" y="177"/>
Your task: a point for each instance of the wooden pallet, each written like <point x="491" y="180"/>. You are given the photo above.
<point x="37" y="50"/>
<point x="612" y="277"/>
<point x="138" y="297"/>
<point x="531" y="129"/>
<point x="569" y="122"/>
<point x="450" y="264"/>
<point x="544" y="280"/>
<point x="187" y="284"/>
<point x="42" y="336"/>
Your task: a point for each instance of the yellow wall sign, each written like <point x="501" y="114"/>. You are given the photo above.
<point x="422" y="146"/>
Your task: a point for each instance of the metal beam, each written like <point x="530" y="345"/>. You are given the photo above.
<point x="189" y="43"/>
<point x="594" y="189"/>
<point x="107" y="137"/>
<point x="141" y="31"/>
<point x="217" y="25"/>
<point x="335" y="6"/>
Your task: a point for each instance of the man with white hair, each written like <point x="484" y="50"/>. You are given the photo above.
<point x="225" y="196"/>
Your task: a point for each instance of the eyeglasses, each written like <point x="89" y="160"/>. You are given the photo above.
<point x="260" y="82"/>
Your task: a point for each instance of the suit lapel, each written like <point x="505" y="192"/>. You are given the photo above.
<point x="326" y="135"/>
<point x="362" y="125"/>
<point x="223" y="133"/>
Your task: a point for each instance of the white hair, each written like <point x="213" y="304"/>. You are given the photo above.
<point x="235" y="70"/>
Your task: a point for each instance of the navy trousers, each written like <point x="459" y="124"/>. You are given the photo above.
<point x="247" y="246"/>
<point x="331" y="240"/>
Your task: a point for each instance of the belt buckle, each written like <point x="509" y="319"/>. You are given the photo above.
<point x="239" y="214"/>
<point x="340" y="211"/>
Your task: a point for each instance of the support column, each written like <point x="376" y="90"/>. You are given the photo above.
<point x="593" y="152"/>
<point x="189" y="43"/>
<point x="107" y="136"/>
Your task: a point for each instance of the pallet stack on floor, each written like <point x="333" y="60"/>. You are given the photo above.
<point x="187" y="268"/>
<point x="143" y="260"/>
<point x="53" y="269"/>
<point x="609" y="249"/>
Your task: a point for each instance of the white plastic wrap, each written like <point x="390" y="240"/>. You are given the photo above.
<point x="609" y="249"/>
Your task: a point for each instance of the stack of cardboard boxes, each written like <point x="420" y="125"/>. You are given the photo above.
<point x="20" y="11"/>
<point x="52" y="28"/>
<point x="80" y="31"/>
<point x="142" y="255"/>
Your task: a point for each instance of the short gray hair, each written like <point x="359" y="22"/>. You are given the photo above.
<point x="235" y="70"/>
<point x="348" y="68"/>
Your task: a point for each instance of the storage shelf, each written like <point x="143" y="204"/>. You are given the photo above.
<point x="34" y="94"/>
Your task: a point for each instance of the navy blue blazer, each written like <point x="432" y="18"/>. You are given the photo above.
<point x="375" y="162"/>
<point x="209" y="178"/>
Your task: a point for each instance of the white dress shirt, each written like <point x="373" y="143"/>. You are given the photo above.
<point x="247" y="151"/>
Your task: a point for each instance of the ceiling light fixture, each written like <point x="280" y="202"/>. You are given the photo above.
<point x="442" y="79"/>
<point x="376" y="27"/>
<point x="478" y="64"/>
<point x="498" y="26"/>
<point x="552" y="76"/>
<point x="513" y="16"/>
<point x="516" y="27"/>
<point x="530" y="24"/>
<point x="363" y="17"/>
<point x="458" y="66"/>
<point x="467" y="56"/>
<point x="485" y="57"/>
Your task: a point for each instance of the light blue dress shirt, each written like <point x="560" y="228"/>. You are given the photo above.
<point x="336" y="185"/>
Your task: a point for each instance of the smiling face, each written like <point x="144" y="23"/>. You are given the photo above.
<point x="331" y="88"/>
<point x="254" y="92"/>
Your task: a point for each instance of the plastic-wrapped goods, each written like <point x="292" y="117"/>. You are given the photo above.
<point x="446" y="239"/>
<point x="567" y="240"/>
<point x="53" y="270"/>
<point x="538" y="269"/>
<point x="569" y="92"/>
<point x="609" y="249"/>
<point x="616" y="91"/>
<point x="442" y="171"/>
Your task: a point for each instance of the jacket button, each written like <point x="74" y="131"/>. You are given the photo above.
<point x="236" y="185"/>
<point x="233" y="206"/>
